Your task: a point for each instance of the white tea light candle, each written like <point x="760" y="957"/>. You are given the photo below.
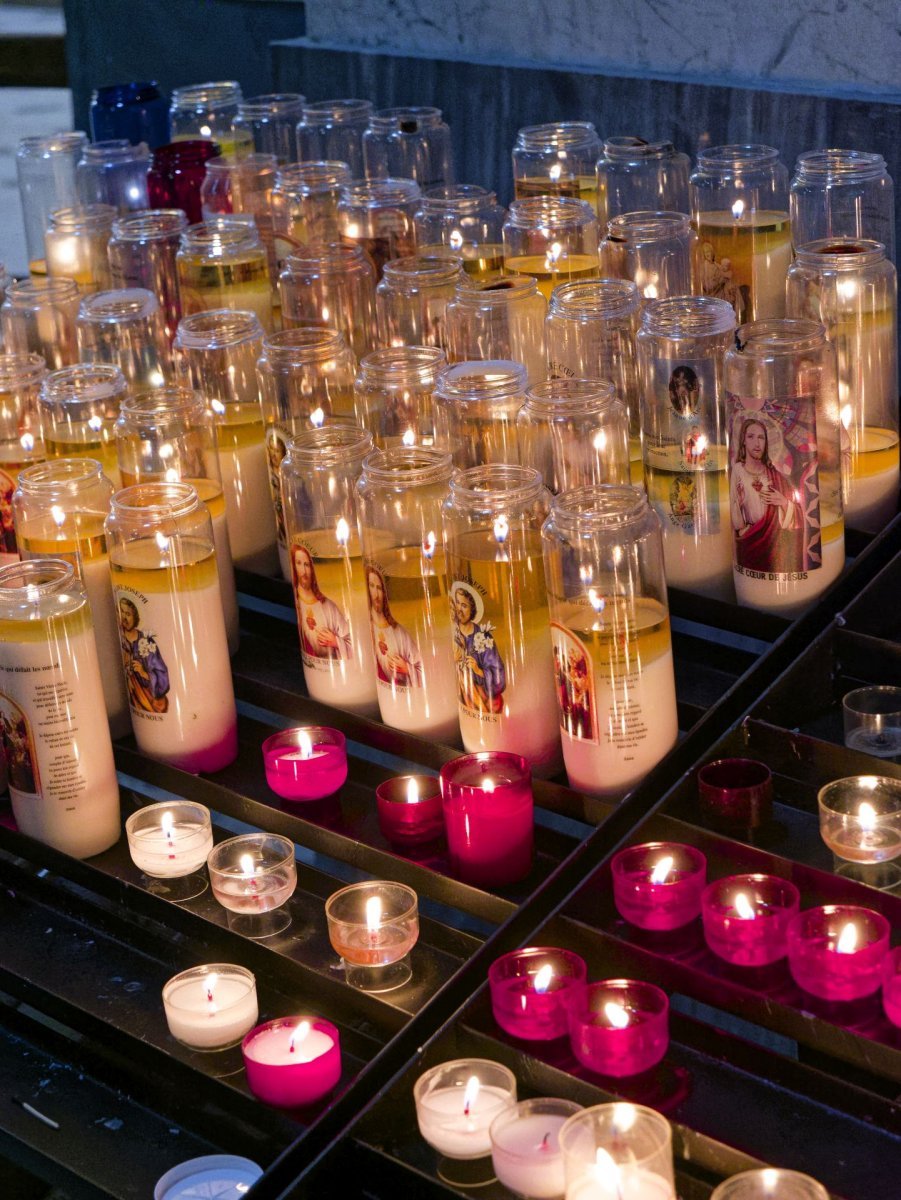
<point x="211" y="1007"/>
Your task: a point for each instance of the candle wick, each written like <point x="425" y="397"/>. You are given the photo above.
<point x="545" y="1141"/>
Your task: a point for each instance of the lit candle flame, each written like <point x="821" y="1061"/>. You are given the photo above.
<point x="553" y="255"/>
<point x="738" y="209"/>
<point x="555" y="172"/>
<point x="162" y="541"/>
<point x="409" y="438"/>
<point x="847" y="940"/>
<point x="455" y="241"/>
<point x="26" y="441"/>
<point x="606" y="1171"/>
<point x="543" y="979"/>
<point x="600" y="441"/>
<point x="373" y="914"/>
<point x="471" y="1093"/>
<point x="166" y="450"/>
<point x="305" y="744"/>
<point x="616" y="1015"/>
<point x="248" y="870"/>
<point x="172" y="475"/>
<point x="488" y="785"/>
<point x="662" y="868"/>
<point x="429" y="542"/>
<point x="218" y="407"/>
<point x="300" y="1034"/>
<point x="845" y="415"/>
<point x="167" y="821"/>
<point x="866" y="814"/>
<point x="596" y="600"/>
<point x="501" y="529"/>
<point x="650" y="292"/>
<point x="342" y="532"/>
<point x="58" y="515"/>
<point x="317" y="417"/>
<point x="744" y="907"/>
<point x="412" y="792"/>
<point x="95" y="424"/>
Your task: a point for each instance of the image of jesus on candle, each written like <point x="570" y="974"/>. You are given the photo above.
<point x="481" y="675"/>
<point x="397" y="658"/>
<point x="766" y="509"/>
<point x="324" y="629"/>
<point x="146" y="674"/>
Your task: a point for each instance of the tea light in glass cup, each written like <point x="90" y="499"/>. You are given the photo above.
<point x="410" y="810"/>
<point x="373" y="927"/>
<point x="619" y="1027"/>
<point x="292" y="1061"/>
<point x="872" y="720"/>
<point x="211" y="1007"/>
<point x="170" y="843"/>
<point x="770" y="1183"/>
<point x="253" y="876"/>
<point x="525" y="1147"/>
<point x="860" y="818"/>
<point x="305" y="763"/>
<point x="456" y="1104"/>
<point x="529" y="990"/>
<point x="835" y="951"/>
<point x="891" y="986"/>
<point x="658" y="885"/>
<point x="746" y="918"/>
<point x="489" y="817"/>
<point x="618" y="1152"/>
<point x="736" y="793"/>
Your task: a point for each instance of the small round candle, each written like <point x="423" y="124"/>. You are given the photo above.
<point x="252" y="876"/>
<point x="373" y="924"/>
<point x="891" y="986"/>
<point x="860" y="818"/>
<point x="658" y="885"/>
<point x="221" y="1175"/>
<point x="872" y="720"/>
<point x="457" y="1101"/>
<point x="170" y="839"/>
<point x="306" y="763"/>
<point x="770" y="1183"/>
<point x="409" y="809"/>
<point x="746" y="918"/>
<point x="292" y="1061"/>
<point x="525" y="1147"/>
<point x="618" y="1152"/>
<point x="736" y="792"/>
<point x="529" y="989"/>
<point x="489" y="816"/>
<point x="835" y="952"/>
<point x="211" y="1007"/>
<point x="619" y="1027"/>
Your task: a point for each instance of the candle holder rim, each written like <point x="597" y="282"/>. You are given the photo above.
<point x="383" y="796"/>
<point x="508" y="757"/>
<point x="576" y="960"/>
<point x="422" y="1086"/>
<point x="216" y="852"/>
<point x="657" y="994"/>
<point x="751" y="878"/>
<point x="320" y="1024"/>
<point x="735" y="763"/>
<point x="723" y="1191"/>
<point x="871" y="689"/>
<point x="882" y="784"/>
<point x="233" y="969"/>
<point x="286" y="737"/>
<point x="202" y="1162"/>
<point x="850" y="912"/>
<point x="410" y="911"/>
<point x="523" y="1107"/>
<point x="618" y="862"/>
<point x="132" y="819"/>
<point x="653" y="1120"/>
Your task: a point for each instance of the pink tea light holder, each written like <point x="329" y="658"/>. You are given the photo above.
<point x="373" y="926"/>
<point x="306" y="763"/>
<point x="891" y="986"/>
<point x="619" y="1027"/>
<point x="292" y="1061"/>
<point x="746" y="918"/>
<point x="835" y="952"/>
<point x="530" y="988"/>
<point x="736" y="793"/>
<point x="252" y="877"/>
<point x="489" y="817"/>
<point x="657" y="886"/>
<point x="410" y="809"/>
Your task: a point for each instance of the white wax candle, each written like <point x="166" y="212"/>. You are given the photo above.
<point x="445" y="1125"/>
<point x="206" y="1023"/>
<point x="225" y="567"/>
<point x="790" y="597"/>
<point x="248" y="505"/>
<point x="633" y="1184"/>
<point x="273" y="1046"/>
<point x="171" y="852"/>
<point x="527" y="1156"/>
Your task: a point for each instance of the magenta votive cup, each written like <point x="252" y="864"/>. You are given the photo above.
<point x="746" y="917"/>
<point x="736" y="792"/>
<point x="529" y="990"/>
<point x="651" y="898"/>
<point x="290" y="1078"/>
<point x="619" y="1027"/>
<point x="409" y="809"/>
<point x="836" y="951"/>
<point x="891" y="986"/>
<point x="307" y="763"/>
<point x="489" y="817"/>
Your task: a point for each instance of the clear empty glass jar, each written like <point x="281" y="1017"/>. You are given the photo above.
<point x="412" y="298"/>
<point x="468" y="220"/>
<point x="208" y="111"/>
<point x="75" y="245"/>
<point x="21" y="442"/>
<point x="553" y="239"/>
<point x="222" y="263"/>
<point x="177" y="175"/>
<point x="136" y="111"/>
<point x="393" y="394"/>
<point x="377" y="214"/>
<point x="125" y="328"/>
<point x="409" y="143"/>
<point x="575" y="432"/>
<point x="476" y="404"/>
<point x="333" y="130"/>
<point x="331" y="285"/>
<point x="38" y="317"/>
<point x="241" y="188"/>
<point x="739" y="208"/>
<point x="142" y="254"/>
<point x="654" y="249"/>
<point x="305" y="201"/>
<point x="639" y="176"/>
<point x="501" y="317"/>
<point x="78" y="407"/>
<point x="271" y="121"/>
<point x="785" y="483"/>
<point x="114" y="173"/>
<point x="842" y="193"/>
<point x="849" y="286"/>
<point x="557" y="159"/>
<point x="45" y="167"/>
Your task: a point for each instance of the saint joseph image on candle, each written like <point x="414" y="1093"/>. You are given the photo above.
<point x="324" y="629"/>
<point x="397" y="658"/>
<point x="481" y="675"/>
<point x="146" y="674"/>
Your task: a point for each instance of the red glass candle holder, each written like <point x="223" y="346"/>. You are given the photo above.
<point x="835" y="952"/>
<point x="891" y="986"/>
<point x="489" y="817"/>
<point x="177" y="173"/>
<point x="409" y="809"/>
<point x="292" y="1061"/>
<point x="306" y="763"/>
<point x="619" y="1027"/>
<point x="529" y="990"/>
<point x="746" y="918"/>
<point x="736" y="792"/>
<point x="658" y="885"/>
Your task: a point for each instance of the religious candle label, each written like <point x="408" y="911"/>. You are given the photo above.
<point x="744" y="258"/>
<point x="9" y="473"/>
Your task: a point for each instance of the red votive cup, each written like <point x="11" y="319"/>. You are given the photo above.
<point x="736" y="792"/>
<point x="305" y="763"/>
<point x="836" y="951"/>
<point x="489" y="817"/>
<point x="177" y="173"/>
<point x="286" y="1077"/>
<point x="658" y="885"/>
<point x="529" y="990"/>
<point x="619" y="1027"/>
<point x="409" y="809"/>
<point x="891" y="986"/>
<point x="746" y="918"/>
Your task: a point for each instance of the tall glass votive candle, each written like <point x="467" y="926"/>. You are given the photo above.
<point x="377" y="214"/>
<point x="553" y="239"/>
<point x="79" y="406"/>
<point x="332" y="285"/>
<point x="498" y="318"/>
<point x="177" y="175"/>
<point x="333" y="130"/>
<point x="652" y="248"/>
<point x="456" y="1103"/>
<point x="409" y="143"/>
<point x="736" y="793"/>
<point x="476" y="408"/>
<point x="38" y="317"/>
<point x="835" y="952"/>
<point x="619" y="1027"/>
<point x="530" y="991"/>
<point x="208" y="111"/>
<point x="170" y="842"/>
<point x="135" y="110"/>
<point x="211" y="1007"/>
<point x="467" y="220"/>
<point x="142" y="253"/>
<point x="306" y="763"/>
<point x="556" y="159"/>
<point x="222" y="263"/>
<point x="412" y="298"/>
<point x="746" y="918"/>
<point x="635" y="175"/>
<point x="305" y="202"/>
<point x="114" y="172"/>
<point x="253" y="876"/>
<point x="575" y="432"/>
<point x="373" y="927"/>
<point x="292" y="1061"/>
<point x="75" y="244"/>
<point x="489" y="817"/>
<point x="271" y="120"/>
<point x="618" y="1151"/>
<point x="845" y="194"/>
<point x="860" y="818"/>
<point x="658" y="885"/>
<point x="770" y="1184"/>
<point x="525" y="1147"/>
<point x="241" y="188"/>
<point x="125" y="328"/>
<point x="21" y="442"/>
<point x="394" y="394"/>
<point x="45" y="168"/>
<point x="409" y="809"/>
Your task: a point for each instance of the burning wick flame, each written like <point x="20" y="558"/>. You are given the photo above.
<point x="171" y="475"/>
<point x="596" y="601"/>
<point x="209" y="985"/>
<point x="429" y="543"/>
<point x="373" y="915"/>
<point x="662" y="868"/>
<point x="218" y="407"/>
<point x="650" y="292"/>
<point x="58" y="515"/>
<point x="744" y="908"/>
<point x="412" y="792"/>
<point x="487" y="785"/>
<point x="305" y="744"/>
<point x="455" y="241"/>
<point x="607" y="1172"/>
<point x="248" y="870"/>
<point x="501" y="529"/>
<point x="866" y="814"/>
<point x="26" y="441"/>
<point x="317" y="417"/>
<point x="95" y="424"/>
<point x="845" y="415"/>
<point x="470" y="1095"/>
<point x="409" y="438"/>
<point x="616" y="1015"/>
<point x="847" y="940"/>
<point x="300" y="1034"/>
<point x="738" y="209"/>
<point x="543" y="979"/>
<point x="553" y="255"/>
<point x="555" y="172"/>
<point x="162" y="541"/>
<point x="342" y="532"/>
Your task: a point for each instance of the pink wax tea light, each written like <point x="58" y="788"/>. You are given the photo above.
<point x="746" y="918"/>
<point x="736" y="792"/>
<point x="658" y="885"/>
<point x="835" y="952"/>
<point x="891" y="986"/>
<point x="489" y="817"/>
<point x="373" y="926"/>
<point x="619" y="1027"/>
<point x="292" y="1061"/>
<point x="305" y="763"/>
<point x="409" y="809"/>
<point x="529" y="990"/>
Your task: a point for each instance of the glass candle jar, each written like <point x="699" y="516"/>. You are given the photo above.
<point x="575" y="432"/>
<point x="525" y="1148"/>
<point x="219" y="352"/>
<point x="658" y="886"/>
<point x="850" y="287"/>
<point x="739" y="208"/>
<point x="553" y="239"/>
<point x="454" y="1114"/>
<point x="208" y="111"/>
<point x="38" y="317"/>
<point x="242" y="188"/>
<point x="635" y="175"/>
<point x="531" y="990"/>
<point x="318" y="476"/>
<point x="308" y="762"/>
<point x="305" y="202"/>
<point x="501" y="317"/>
<point x="654" y="249"/>
<point x="476" y="405"/>
<point x="409" y="143"/>
<point x="394" y="394"/>
<point x="619" y="1027"/>
<point x="557" y="159"/>
<point x="45" y="168"/>
<point x="115" y="173"/>
<point x="62" y="778"/>
<point x="836" y="951"/>
<point x="399" y="497"/>
<point x="253" y="876"/>
<point x="59" y="510"/>
<point x="142" y="253"/>
<point x="174" y="646"/>
<point x="468" y="220"/>
<point x="499" y="615"/>
<point x="618" y="1150"/>
<point x="21" y="442"/>
<point x="333" y="130"/>
<point x="785" y="484"/>
<point x="222" y="263"/>
<point x="613" y="657"/>
<point x="135" y="111"/>
<point x="126" y="329"/>
<point x="860" y="818"/>
<point x="75" y="245"/>
<point x="372" y="927"/>
<point x="842" y="193"/>
<point x="746" y="917"/>
<point x="306" y="379"/>
<point x="377" y="214"/>
<point x="768" y="1183"/>
<point x="489" y="817"/>
<point x="681" y="347"/>
<point x="331" y="285"/>
<point x="412" y="298"/>
<point x="177" y="175"/>
<point x="78" y="408"/>
<point x="271" y="120"/>
<point x="168" y="434"/>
